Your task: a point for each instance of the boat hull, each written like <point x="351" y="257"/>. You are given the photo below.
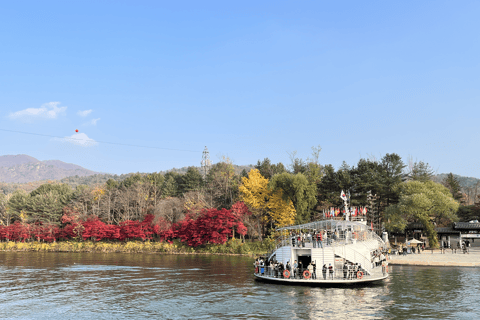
<point x="323" y="283"/>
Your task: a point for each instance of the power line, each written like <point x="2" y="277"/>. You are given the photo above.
<point x="105" y="142"/>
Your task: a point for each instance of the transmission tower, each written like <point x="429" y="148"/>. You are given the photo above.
<point x="206" y="163"/>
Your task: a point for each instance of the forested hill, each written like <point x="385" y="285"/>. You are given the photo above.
<point x="468" y="185"/>
<point x="27" y="173"/>
<point x="465" y="182"/>
<point x="236" y="168"/>
<point x="23" y="169"/>
<point x="99" y="179"/>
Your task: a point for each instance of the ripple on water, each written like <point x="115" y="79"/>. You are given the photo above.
<point x="42" y="286"/>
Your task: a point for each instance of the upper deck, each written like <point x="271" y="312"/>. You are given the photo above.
<point x="329" y="232"/>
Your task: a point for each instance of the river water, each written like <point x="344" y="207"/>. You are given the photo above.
<point x="140" y="286"/>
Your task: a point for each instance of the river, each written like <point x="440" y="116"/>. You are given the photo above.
<point x="151" y="286"/>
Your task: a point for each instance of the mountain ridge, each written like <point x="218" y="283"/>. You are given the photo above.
<point x="23" y="168"/>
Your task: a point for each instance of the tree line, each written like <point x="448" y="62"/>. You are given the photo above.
<point x="273" y="194"/>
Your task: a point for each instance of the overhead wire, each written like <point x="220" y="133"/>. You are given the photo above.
<point x="105" y="142"/>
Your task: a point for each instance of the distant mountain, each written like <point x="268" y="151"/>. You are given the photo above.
<point x="22" y="169"/>
<point x="465" y="182"/>
<point x="469" y="186"/>
<point x="25" y="172"/>
<point x="10" y="161"/>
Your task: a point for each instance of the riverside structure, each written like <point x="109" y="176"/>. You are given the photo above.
<point x="327" y="252"/>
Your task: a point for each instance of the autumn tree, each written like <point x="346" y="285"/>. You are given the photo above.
<point x="296" y="188"/>
<point x="266" y="204"/>
<point x="241" y="213"/>
<point x="254" y="193"/>
<point x="194" y="202"/>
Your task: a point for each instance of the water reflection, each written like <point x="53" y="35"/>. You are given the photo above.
<point x="138" y="286"/>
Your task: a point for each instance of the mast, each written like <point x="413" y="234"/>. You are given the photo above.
<point x="345" y="200"/>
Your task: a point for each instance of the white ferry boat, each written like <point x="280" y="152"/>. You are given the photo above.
<point x="328" y="252"/>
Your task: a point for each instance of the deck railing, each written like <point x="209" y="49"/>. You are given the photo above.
<point x="299" y="274"/>
<point x="339" y="238"/>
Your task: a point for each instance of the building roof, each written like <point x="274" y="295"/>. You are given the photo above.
<point x="415" y="225"/>
<point x="447" y="230"/>
<point x="466" y="225"/>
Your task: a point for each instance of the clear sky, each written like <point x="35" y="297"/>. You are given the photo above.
<point x="247" y="79"/>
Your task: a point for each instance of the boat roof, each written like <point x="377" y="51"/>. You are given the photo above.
<point x="329" y="224"/>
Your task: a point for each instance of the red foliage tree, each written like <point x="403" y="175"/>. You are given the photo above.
<point x="137" y="229"/>
<point x="98" y="230"/>
<point x="212" y="226"/>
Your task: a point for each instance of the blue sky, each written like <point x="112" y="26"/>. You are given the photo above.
<point x="247" y="79"/>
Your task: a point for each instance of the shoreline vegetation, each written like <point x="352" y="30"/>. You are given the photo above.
<point x="231" y="247"/>
<point x="204" y="211"/>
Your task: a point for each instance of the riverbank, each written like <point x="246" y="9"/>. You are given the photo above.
<point x="233" y="246"/>
<point x="439" y="259"/>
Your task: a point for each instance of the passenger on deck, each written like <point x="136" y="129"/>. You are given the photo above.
<point x="310" y="269"/>
<point x="330" y="271"/>
<point x="324" y="272"/>
<point x="319" y="239"/>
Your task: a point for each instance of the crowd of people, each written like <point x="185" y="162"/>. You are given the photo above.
<point x="277" y="269"/>
<point x="297" y="270"/>
<point x="462" y="246"/>
<point x="319" y="238"/>
<point x="378" y="256"/>
<point x="352" y="271"/>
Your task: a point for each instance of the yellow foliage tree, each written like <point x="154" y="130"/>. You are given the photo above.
<point x="282" y="212"/>
<point x="254" y="191"/>
<point x="263" y="202"/>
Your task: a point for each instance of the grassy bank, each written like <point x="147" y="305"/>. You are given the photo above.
<point x="233" y="246"/>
